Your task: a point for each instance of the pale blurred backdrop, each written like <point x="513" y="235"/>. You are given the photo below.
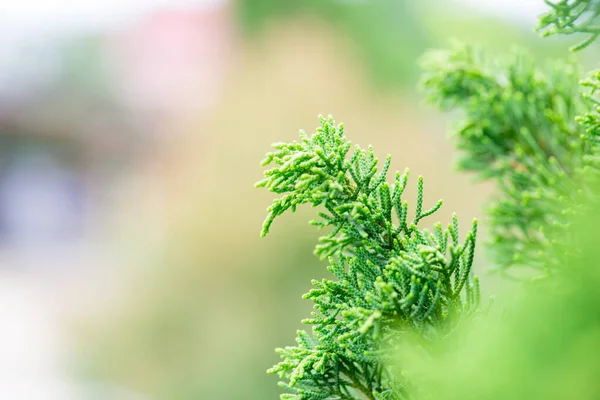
<point x="130" y="138"/>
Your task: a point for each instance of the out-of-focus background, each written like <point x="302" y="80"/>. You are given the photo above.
<point x="130" y="138"/>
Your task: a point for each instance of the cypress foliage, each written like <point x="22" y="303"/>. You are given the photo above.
<point x="545" y="343"/>
<point x="390" y="276"/>
<point x="572" y="16"/>
<point x="519" y="130"/>
<point x="533" y="130"/>
<point x="529" y="129"/>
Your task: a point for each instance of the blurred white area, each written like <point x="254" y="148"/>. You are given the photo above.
<point x="26" y="355"/>
<point x="32" y="18"/>
<point x="33" y="347"/>
<point x="30" y="28"/>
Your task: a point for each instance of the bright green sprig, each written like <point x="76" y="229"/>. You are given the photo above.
<point x="519" y="129"/>
<point x="591" y="119"/>
<point x="572" y="16"/>
<point x="390" y="276"/>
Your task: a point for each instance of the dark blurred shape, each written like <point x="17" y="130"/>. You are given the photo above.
<point x="56" y="145"/>
<point x="40" y="198"/>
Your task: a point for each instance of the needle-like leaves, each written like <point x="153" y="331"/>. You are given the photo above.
<point x="390" y="276"/>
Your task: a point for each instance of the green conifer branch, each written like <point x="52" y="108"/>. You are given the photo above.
<point x="520" y="130"/>
<point x="527" y="128"/>
<point x="572" y="16"/>
<point x="390" y="276"/>
<point x="591" y="119"/>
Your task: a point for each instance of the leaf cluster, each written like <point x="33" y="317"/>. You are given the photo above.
<point x="530" y="129"/>
<point x="520" y="130"/>
<point x="563" y="311"/>
<point x="390" y="276"/>
<point x="572" y="16"/>
<point x="590" y="121"/>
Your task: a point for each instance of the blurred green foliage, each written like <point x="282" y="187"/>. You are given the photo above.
<point x="518" y="129"/>
<point x="388" y="33"/>
<point x="569" y="17"/>
<point x="542" y="345"/>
